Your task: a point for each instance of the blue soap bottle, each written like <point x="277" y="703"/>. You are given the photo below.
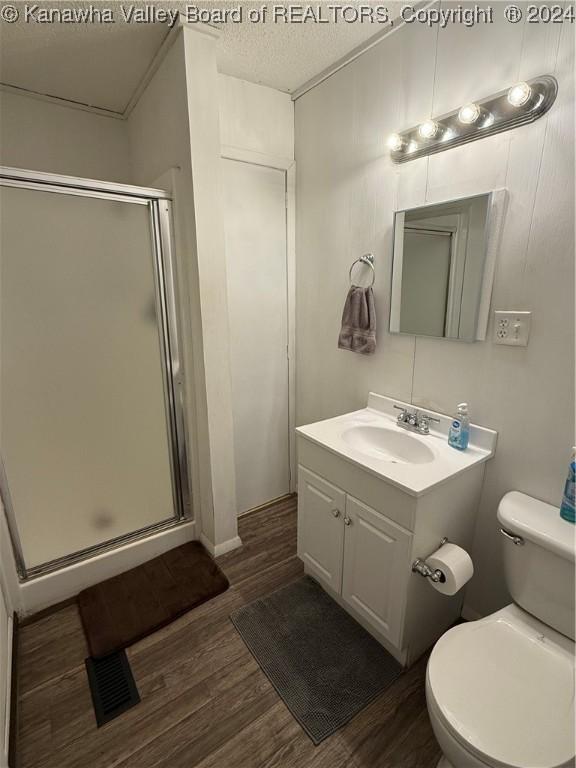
<point x="568" y="510"/>
<point x="459" y="432"/>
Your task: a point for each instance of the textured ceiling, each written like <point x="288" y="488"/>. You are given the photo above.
<point x="287" y="55"/>
<point x="102" y="64"/>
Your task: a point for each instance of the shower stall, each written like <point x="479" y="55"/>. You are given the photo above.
<point x="92" y="432"/>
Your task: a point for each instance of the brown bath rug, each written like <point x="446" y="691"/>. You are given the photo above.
<point x="126" y="608"/>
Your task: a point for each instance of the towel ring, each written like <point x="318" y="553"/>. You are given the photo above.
<point x="368" y="259"/>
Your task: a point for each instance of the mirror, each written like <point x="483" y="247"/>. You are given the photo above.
<point x="443" y="267"/>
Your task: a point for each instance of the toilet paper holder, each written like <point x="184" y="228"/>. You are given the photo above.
<point x="420" y="566"/>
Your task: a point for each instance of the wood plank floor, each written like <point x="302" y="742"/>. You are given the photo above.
<point x="205" y="702"/>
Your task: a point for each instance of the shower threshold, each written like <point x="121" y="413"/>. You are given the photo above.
<point x="97" y="549"/>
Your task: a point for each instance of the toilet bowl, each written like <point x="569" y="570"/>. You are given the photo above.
<point x="500" y="691"/>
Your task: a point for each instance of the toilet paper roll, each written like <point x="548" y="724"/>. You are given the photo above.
<point x="456" y="565"/>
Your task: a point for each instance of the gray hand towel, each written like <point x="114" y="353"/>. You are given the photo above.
<point x="358" y="333"/>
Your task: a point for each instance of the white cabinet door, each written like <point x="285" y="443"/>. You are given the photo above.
<point x="376" y="568"/>
<point x="320" y="527"/>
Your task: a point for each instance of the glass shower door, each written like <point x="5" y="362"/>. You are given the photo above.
<point x="85" y="400"/>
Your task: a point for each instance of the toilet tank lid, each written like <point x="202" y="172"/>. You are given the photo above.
<point x="538" y="522"/>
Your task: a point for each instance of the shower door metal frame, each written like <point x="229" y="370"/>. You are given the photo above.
<point x="160" y="210"/>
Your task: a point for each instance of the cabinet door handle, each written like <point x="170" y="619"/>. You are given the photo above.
<point x="347" y="521"/>
<point x="336" y="512"/>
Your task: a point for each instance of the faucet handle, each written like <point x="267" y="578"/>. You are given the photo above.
<point x="414" y="419"/>
<point x="403" y="415"/>
<point x="424" y="420"/>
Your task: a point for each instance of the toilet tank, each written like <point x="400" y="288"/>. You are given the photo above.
<point x="539" y="553"/>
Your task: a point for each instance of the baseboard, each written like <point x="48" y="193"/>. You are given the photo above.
<point x="32" y="618"/>
<point x="268" y="504"/>
<point x="222" y="548"/>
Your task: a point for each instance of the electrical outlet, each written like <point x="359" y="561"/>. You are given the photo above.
<point x="512" y="328"/>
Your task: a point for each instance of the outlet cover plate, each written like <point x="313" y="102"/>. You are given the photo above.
<point x="512" y="328"/>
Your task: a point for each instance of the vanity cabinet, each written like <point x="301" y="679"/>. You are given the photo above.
<point x="353" y="550"/>
<point x="371" y="500"/>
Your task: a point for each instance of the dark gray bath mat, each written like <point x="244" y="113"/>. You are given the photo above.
<point x="324" y="665"/>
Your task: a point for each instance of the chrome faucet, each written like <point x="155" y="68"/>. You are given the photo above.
<point x="414" y="420"/>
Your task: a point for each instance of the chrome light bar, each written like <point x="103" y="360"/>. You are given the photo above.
<point x="523" y="103"/>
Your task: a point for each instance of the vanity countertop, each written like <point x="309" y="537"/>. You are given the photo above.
<point x="372" y="439"/>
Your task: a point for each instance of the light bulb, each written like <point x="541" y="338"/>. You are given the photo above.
<point x="428" y="129"/>
<point x="519" y="94"/>
<point x="469" y="113"/>
<point x="395" y="142"/>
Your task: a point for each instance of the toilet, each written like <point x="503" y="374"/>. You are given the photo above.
<point x="500" y="691"/>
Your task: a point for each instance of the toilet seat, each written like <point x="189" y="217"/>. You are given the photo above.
<point x="503" y="687"/>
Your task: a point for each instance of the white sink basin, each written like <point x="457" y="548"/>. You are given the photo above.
<point x="388" y="444"/>
<point x="372" y="439"/>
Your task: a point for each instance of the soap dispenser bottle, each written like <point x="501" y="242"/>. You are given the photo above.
<point x="459" y="432"/>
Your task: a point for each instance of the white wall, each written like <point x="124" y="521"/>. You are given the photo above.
<point x="46" y="136"/>
<point x="347" y="191"/>
<point x="175" y="126"/>
<point x="160" y="150"/>
<point x="200" y="45"/>
<point x="255" y="118"/>
<point x="8" y="573"/>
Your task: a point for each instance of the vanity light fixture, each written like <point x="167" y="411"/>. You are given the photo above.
<point x="395" y="142"/>
<point x="488" y="121"/>
<point x="428" y="129"/>
<point x="518" y="105"/>
<point x="469" y="113"/>
<point x="519" y="94"/>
